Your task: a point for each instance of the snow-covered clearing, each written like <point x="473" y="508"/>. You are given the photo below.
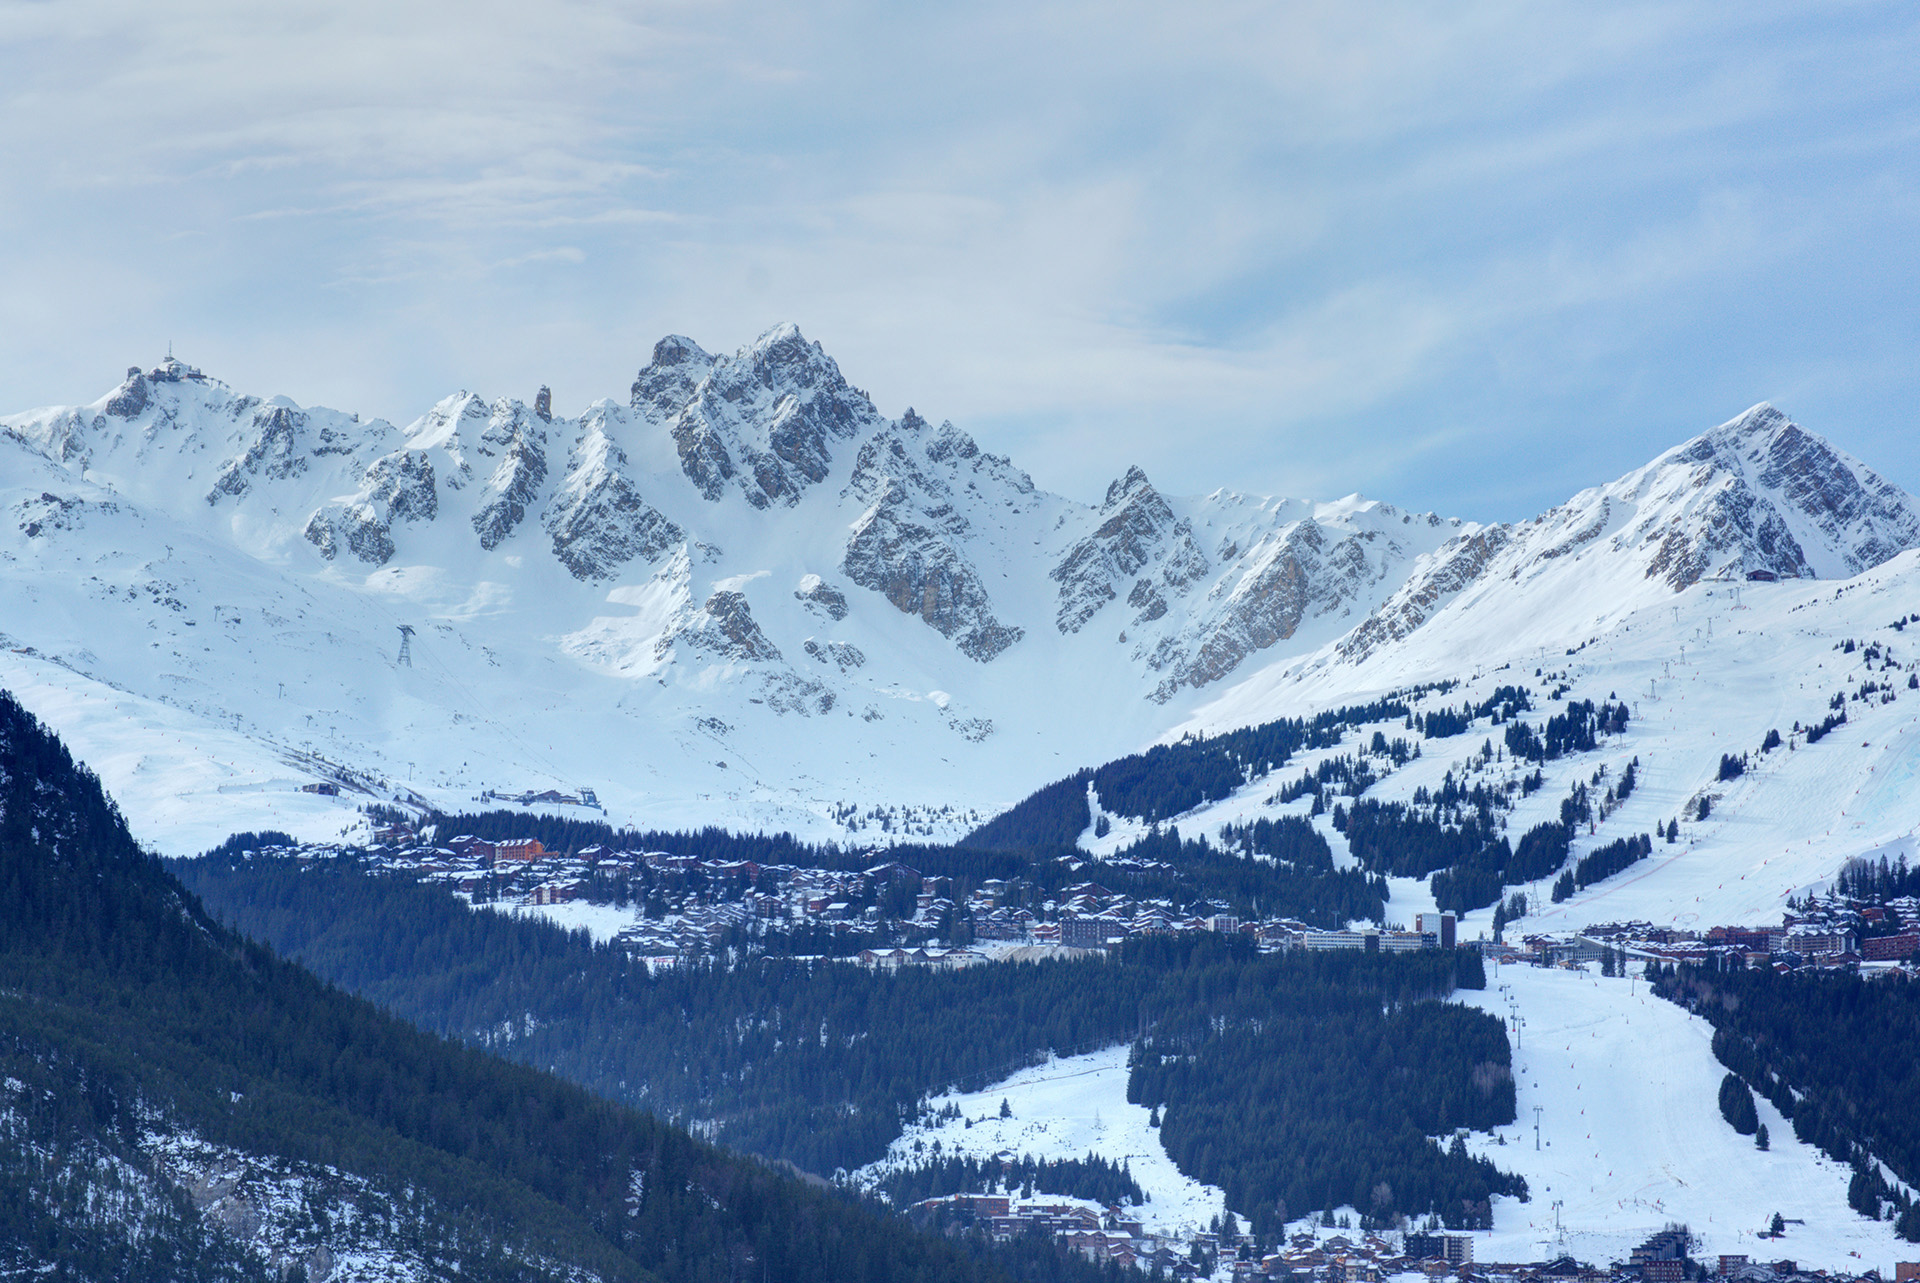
<point x="1067" y="1109"/>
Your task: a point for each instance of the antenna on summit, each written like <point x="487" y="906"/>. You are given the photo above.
<point x="406" y="645"/>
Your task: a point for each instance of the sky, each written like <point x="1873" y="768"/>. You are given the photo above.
<point x="1467" y="257"/>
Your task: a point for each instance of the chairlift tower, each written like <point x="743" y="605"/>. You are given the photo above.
<point x="406" y="645"/>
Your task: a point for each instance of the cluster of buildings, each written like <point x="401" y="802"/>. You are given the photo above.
<point x="1831" y="933"/>
<point x="1116" y="1234"/>
<point x="887" y="916"/>
<point x="1092" y="917"/>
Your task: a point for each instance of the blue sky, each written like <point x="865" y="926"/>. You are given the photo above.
<point x="1468" y="257"/>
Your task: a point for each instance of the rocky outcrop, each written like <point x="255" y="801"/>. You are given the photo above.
<point x="1300" y="573"/>
<point x="909" y="560"/>
<point x="843" y="655"/>
<point x="395" y="487"/>
<point x="1137" y="527"/>
<point x="1460" y="563"/>
<point x="598" y="520"/>
<point x="283" y="443"/>
<point x="517" y="441"/>
<point x="822" y="598"/>
<point x="402" y="483"/>
<point x="51" y="513"/>
<point x="726" y="628"/>
<point x="353" y="528"/>
<point x="274" y="454"/>
<point x="786" y="691"/>
<point x="129" y="399"/>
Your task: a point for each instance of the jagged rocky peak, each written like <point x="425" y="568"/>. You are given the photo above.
<point x="1758" y="493"/>
<point x="598" y="520"/>
<point x="1868" y="518"/>
<point x="518" y="441"/>
<point x="663" y="389"/>
<point x="1137" y="529"/>
<point x="764" y="420"/>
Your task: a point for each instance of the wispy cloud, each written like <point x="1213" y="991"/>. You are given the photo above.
<point x="1311" y="248"/>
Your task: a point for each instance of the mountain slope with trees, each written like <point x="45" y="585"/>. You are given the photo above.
<point x="133" y="1025"/>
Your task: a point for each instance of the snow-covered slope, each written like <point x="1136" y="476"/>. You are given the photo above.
<point x="743" y="595"/>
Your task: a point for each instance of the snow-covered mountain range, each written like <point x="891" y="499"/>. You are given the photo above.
<point x="743" y="595"/>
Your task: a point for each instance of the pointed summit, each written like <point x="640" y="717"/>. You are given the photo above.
<point x="665" y="386"/>
<point x="1129" y="487"/>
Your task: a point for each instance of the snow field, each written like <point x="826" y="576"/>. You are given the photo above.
<point x="1066" y="1109"/>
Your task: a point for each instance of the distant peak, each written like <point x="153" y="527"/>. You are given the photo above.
<point x="678" y="349"/>
<point x="173" y="370"/>
<point x="1762" y="418"/>
<point x="1133" y="483"/>
<point x="785" y="332"/>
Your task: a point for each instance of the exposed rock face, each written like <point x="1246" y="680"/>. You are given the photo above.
<point x="1284" y="579"/>
<point x="1869" y="517"/>
<point x="273" y="454"/>
<point x="843" y="655"/>
<point x="822" y="597"/>
<point x="130" y="398"/>
<point x="283" y="444"/>
<point x="1759" y="486"/>
<point x="351" y="527"/>
<point x="913" y="565"/>
<point x="766" y="418"/>
<point x="598" y="520"/>
<point x="518" y="441"/>
<point x="1138" y="528"/>
<point x="402" y="482"/>
<point x="663" y="389"/>
<point x="729" y="631"/>
<point x="1460" y="563"/>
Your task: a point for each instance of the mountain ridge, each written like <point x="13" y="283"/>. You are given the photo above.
<point x="743" y="547"/>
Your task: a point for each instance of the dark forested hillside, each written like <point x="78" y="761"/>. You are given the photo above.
<point x="127" y="1013"/>
<point x="1322" y="1091"/>
<point x="720" y="1042"/>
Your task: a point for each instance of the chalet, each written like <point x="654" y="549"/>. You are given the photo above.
<point x="322" y="787"/>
